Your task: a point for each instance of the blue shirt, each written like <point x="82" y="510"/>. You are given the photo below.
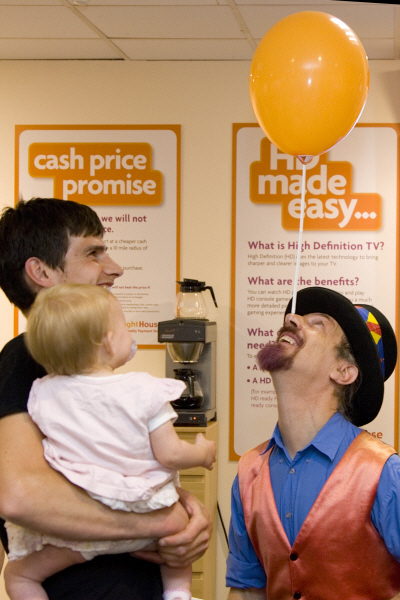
<point x="296" y="484"/>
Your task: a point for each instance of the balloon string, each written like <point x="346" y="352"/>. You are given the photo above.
<point x="299" y="244"/>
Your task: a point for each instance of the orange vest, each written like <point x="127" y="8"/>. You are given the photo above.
<point x="338" y="554"/>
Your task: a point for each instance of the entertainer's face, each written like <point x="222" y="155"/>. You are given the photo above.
<point x="308" y="342"/>
<point x="87" y="261"/>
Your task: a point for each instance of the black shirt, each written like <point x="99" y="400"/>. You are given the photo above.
<point x="111" y="577"/>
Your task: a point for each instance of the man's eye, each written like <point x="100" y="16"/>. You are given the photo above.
<point x="318" y="323"/>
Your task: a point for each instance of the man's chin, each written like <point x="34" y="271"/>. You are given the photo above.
<point x="273" y="357"/>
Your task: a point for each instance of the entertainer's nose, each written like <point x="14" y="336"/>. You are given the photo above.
<point x="293" y="320"/>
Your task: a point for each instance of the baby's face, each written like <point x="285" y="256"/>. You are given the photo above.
<point x="122" y="338"/>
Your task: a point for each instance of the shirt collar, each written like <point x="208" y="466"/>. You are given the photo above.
<point x="327" y="440"/>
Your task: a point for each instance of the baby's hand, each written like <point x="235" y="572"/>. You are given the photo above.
<point x="210" y="449"/>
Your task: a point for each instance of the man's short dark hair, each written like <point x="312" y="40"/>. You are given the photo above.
<point x="39" y="228"/>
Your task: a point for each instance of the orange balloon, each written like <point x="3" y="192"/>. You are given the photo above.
<point x="309" y="83"/>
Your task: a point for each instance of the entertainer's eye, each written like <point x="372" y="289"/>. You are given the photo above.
<point x="317" y="323"/>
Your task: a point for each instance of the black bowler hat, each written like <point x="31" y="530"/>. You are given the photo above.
<point x="372" y="340"/>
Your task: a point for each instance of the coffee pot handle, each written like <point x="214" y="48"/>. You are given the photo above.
<point x="190" y="384"/>
<point x="208" y="287"/>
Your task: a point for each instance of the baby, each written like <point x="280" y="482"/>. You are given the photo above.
<point x="111" y="434"/>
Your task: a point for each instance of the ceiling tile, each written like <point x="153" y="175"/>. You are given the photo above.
<point x="169" y="3"/>
<point x="191" y="49"/>
<point x="41" y="22"/>
<point x="165" y="22"/>
<point x="371" y="21"/>
<point x="379" y="49"/>
<point x="56" y="49"/>
<point x="17" y="3"/>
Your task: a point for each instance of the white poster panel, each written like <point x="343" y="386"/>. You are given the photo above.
<point x="130" y="175"/>
<point x="350" y="244"/>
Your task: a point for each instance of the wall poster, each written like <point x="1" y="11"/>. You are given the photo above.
<point x="130" y="175"/>
<point x="350" y="243"/>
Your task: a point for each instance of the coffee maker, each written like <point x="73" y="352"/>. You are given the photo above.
<point x="191" y="357"/>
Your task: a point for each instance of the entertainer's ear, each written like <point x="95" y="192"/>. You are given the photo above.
<point x="344" y="373"/>
<point x="39" y="274"/>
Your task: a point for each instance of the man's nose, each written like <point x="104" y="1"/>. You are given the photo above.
<point x="293" y="320"/>
<point x="112" y="268"/>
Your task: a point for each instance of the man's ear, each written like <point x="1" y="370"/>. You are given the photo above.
<point x="345" y="373"/>
<point x="39" y="274"/>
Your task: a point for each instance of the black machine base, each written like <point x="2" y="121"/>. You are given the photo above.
<point x="196" y="418"/>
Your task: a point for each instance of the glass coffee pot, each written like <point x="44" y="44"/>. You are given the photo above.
<point x="190" y="302"/>
<point x="192" y="395"/>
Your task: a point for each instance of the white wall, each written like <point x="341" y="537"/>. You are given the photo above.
<point x="205" y="98"/>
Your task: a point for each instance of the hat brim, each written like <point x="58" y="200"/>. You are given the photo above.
<point x="368" y="399"/>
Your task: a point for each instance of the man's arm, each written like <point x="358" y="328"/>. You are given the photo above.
<point x="188" y="545"/>
<point x="33" y="495"/>
<point x="248" y="594"/>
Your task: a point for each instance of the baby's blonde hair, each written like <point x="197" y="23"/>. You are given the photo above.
<point x="66" y="327"/>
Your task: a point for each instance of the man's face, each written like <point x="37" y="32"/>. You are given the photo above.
<point x="307" y="342"/>
<point x="87" y="261"/>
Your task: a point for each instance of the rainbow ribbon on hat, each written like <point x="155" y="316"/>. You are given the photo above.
<point x="375" y="331"/>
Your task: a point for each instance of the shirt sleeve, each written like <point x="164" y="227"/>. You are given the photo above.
<point x="161" y="391"/>
<point x="166" y="413"/>
<point x="386" y="509"/>
<point x="17" y="372"/>
<point x="244" y="570"/>
<point x="32" y="401"/>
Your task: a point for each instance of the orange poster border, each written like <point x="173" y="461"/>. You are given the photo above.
<point x="233" y="456"/>
<point x="177" y="129"/>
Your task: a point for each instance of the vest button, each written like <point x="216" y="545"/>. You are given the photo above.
<point x="297" y="595"/>
<point x="294" y="556"/>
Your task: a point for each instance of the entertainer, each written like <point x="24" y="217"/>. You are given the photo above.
<point x="44" y="242"/>
<point x="315" y="510"/>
